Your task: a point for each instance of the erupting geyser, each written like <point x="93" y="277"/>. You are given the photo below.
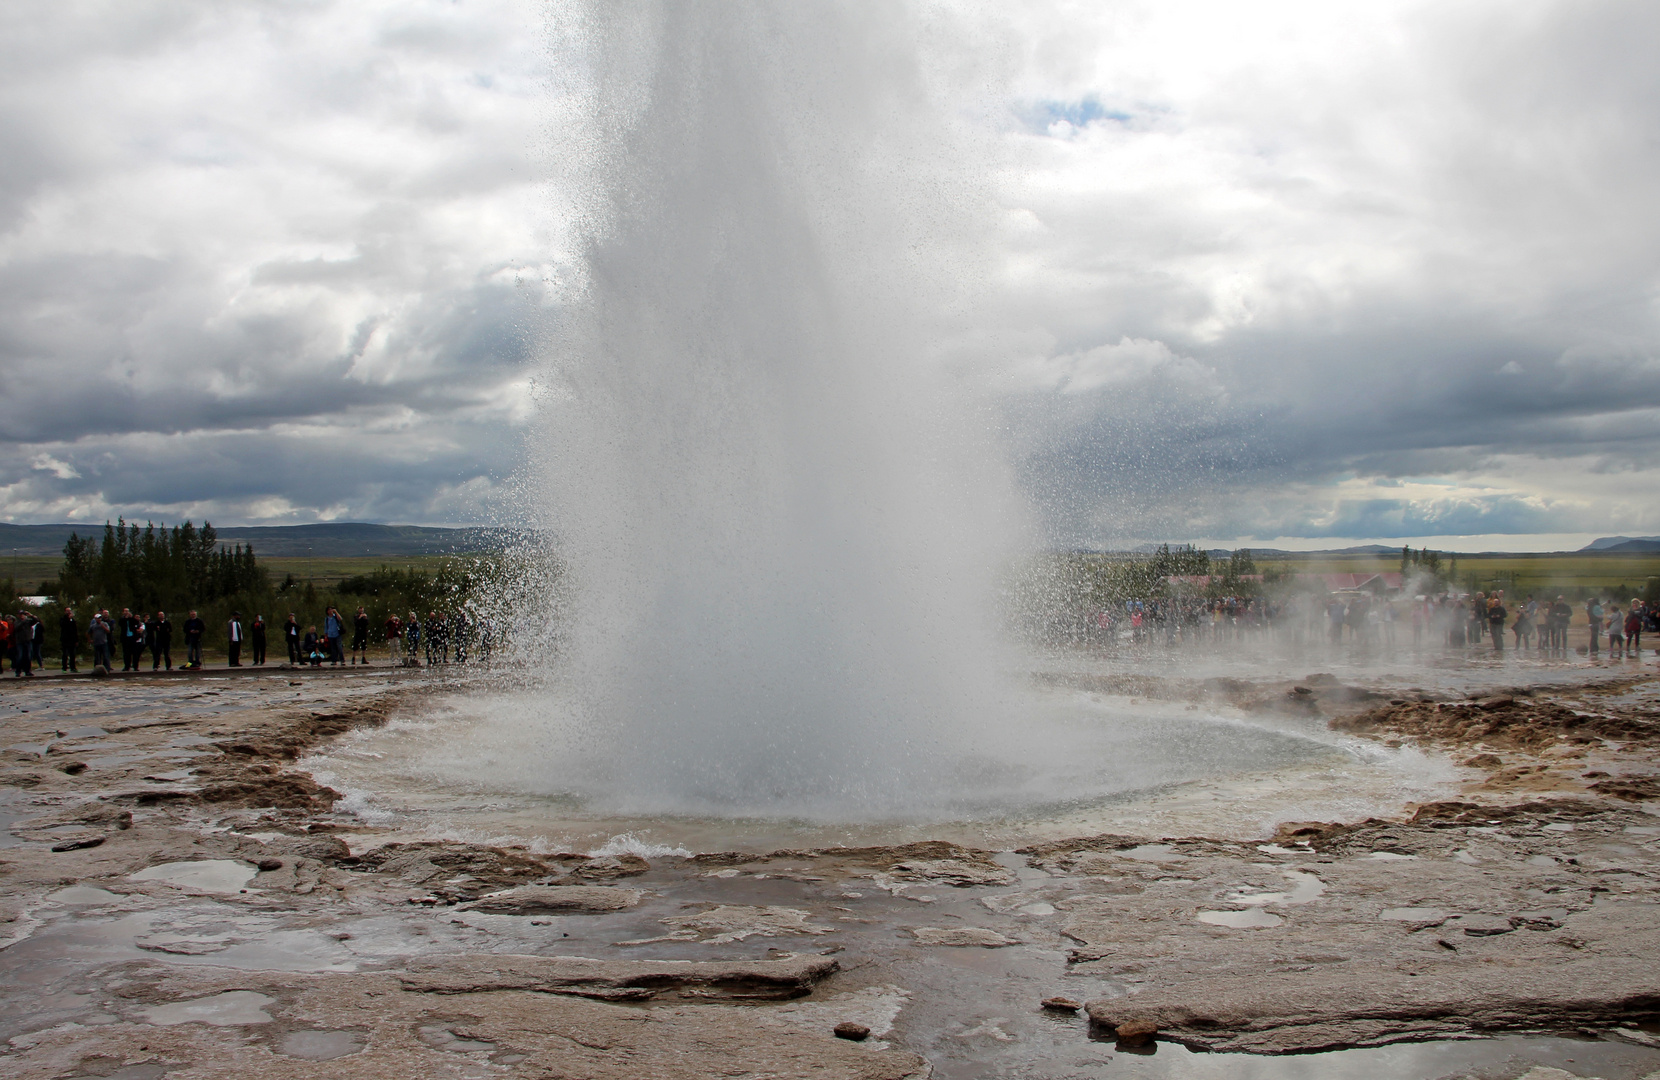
<point x="779" y="519"/>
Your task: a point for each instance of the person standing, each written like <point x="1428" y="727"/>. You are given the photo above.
<point x="412" y="632"/>
<point x="394" y="634"/>
<point x="161" y="641"/>
<point x="20" y="646"/>
<point x="1523" y="628"/>
<point x="194" y="628"/>
<point x="37" y="642"/>
<point x="291" y="635"/>
<point x="141" y="641"/>
<point x="435" y="648"/>
<point x="69" y="638"/>
<point x="1593" y="615"/>
<point x="1634" y="628"/>
<point x="1561" y="614"/>
<point x="1496" y="616"/>
<point x="126" y="628"/>
<point x="98" y="632"/>
<point x="233" y="639"/>
<point x="360" y="637"/>
<point x="8" y="647"/>
<point x="257" y="635"/>
<point x="332" y="629"/>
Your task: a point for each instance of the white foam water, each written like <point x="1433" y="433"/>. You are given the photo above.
<point x="775" y="518"/>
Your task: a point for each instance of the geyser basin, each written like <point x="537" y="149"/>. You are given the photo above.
<point x="481" y="767"/>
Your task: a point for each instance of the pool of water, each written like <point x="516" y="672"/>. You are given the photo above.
<point x="479" y="767"/>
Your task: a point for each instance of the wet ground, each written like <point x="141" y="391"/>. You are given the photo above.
<point x="156" y="945"/>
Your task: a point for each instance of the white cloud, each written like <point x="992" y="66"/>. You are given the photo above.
<point x="1255" y="268"/>
<point x="60" y="469"/>
<point x="223" y="220"/>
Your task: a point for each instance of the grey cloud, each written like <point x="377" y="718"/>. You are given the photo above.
<point x="259" y="256"/>
<point x="252" y="257"/>
<point x="1441" y="254"/>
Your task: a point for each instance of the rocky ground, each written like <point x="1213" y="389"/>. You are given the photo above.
<point x="177" y="899"/>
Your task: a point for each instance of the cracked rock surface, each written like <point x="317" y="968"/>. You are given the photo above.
<point x="228" y="921"/>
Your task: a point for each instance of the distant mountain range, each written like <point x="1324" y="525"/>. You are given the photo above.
<point x="362" y="540"/>
<point x="336" y="539"/>
<point x="1223" y="553"/>
<point x="1621" y="544"/>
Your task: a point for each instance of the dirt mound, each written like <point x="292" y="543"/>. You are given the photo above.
<point x="1502" y="722"/>
<point x="1632" y="788"/>
<point x="287" y="740"/>
<point x="1449" y="813"/>
<point x="480" y="867"/>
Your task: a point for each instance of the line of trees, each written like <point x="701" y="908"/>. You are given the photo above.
<point x="180" y="568"/>
<point x="1427" y="562"/>
<point x="157" y="568"/>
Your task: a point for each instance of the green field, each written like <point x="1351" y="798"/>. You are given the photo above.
<point x="28" y="571"/>
<point x="1537" y="574"/>
<point x="323" y="571"/>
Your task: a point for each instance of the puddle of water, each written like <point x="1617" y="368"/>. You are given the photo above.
<point x="112" y="761"/>
<point x="1306" y="888"/>
<point x="1249" y="919"/>
<point x="1153" y="853"/>
<point x="321" y="1045"/>
<point x="1515" y="1056"/>
<point x="147" y="1071"/>
<point x="230" y="1009"/>
<point x="1172" y="773"/>
<point x="79" y="895"/>
<point x="204" y="876"/>
<point x="442" y="1038"/>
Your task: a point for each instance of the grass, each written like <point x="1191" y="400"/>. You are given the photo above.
<point x="28" y="571"/>
<point x="1536" y="574"/>
<point x="323" y="571"/>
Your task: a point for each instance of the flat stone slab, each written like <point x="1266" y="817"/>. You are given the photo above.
<point x="723" y="924"/>
<point x="620" y="980"/>
<point x="556" y="900"/>
<point x="1342" y="1005"/>
<point x="974" y="936"/>
<point x="278" y="1026"/>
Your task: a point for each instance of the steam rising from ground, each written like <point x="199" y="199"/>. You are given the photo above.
<point x="777" y="521"/>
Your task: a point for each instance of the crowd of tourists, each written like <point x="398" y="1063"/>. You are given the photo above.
<point x="135" y="637"/>
<point x="442" y="639"/>
<point x="1362" y="619"/>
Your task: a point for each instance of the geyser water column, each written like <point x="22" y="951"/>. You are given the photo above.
<point x="778" y="519"/>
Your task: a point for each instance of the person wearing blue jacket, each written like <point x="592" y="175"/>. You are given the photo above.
<point x="332" y="629"/>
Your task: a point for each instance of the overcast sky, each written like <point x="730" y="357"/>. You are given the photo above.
<point x="1282" y="273"/>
